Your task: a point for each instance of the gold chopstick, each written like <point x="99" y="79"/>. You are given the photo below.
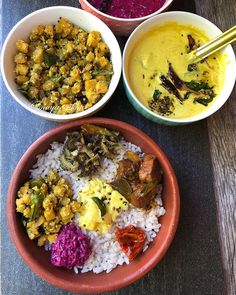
<point x="214" y="45"/>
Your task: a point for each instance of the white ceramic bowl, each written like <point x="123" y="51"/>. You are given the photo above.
<point x="50" y="15"/>
<point x="183" y="18"/>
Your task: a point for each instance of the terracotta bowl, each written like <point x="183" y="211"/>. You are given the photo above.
<point x="39" y="260"/>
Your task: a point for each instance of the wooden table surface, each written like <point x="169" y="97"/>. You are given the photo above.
<point x="202" y="258"/>
<point x="222" y="138"/>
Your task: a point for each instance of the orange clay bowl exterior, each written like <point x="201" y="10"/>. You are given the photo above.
<point x="39" y="260"/>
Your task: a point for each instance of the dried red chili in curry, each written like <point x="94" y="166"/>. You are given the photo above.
<point x="131" y="240"/>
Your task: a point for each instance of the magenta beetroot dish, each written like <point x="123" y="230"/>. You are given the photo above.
<point x="71" y="247"/>
<point x="127" y="9"/>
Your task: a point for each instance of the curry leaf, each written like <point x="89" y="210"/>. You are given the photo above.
<point x="186" y="95"/>
<point x="123" y="187"/>
<point x="49" y="59"/>
<point x="204" y="101"/>
<point x="36" y="203"/>
<point x="102" y="72"/>
<point x="36" y="182"/>
<point x="147" y="188"/>
<point x="156" y="94"/>
<point x="100" y="204"/>
<point x="196" y="86"/>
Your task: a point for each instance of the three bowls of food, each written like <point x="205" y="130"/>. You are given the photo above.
<point x="61" y="63"/>
<point x="93" y="205"/>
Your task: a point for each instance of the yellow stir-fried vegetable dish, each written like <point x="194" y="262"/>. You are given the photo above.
<point x="63" y="69"/>
<point x="46" y="205"/>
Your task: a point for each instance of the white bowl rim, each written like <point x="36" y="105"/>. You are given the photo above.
<point x="57" y="117"/>
<point x="199" y="116"/>
<point x="121" y="19"/>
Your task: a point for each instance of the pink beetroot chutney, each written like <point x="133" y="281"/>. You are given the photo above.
<point x="71" y="248"/>
<point x="127" y="8"/>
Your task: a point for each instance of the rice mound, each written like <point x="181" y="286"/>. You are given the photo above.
<point x="106" y="252"/>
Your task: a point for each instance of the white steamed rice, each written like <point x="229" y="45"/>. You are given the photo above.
<point x="106" y="253"/>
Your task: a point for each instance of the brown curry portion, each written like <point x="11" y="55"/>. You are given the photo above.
<point x="138" y="178"/>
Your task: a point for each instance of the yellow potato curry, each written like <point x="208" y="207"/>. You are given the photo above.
<point x="100" y="206"/>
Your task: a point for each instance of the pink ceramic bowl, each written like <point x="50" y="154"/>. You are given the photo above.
<point x="39" y="260"/>
<point x="121" y="26"/>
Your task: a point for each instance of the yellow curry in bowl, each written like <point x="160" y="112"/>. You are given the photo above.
<point x="162" y="77"/>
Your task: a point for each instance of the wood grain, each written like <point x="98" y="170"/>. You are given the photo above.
<point x="222" y="135"/>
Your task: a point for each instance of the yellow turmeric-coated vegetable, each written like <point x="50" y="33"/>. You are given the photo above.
<point x="46" y="205"/>
<point x="54" y="65"/>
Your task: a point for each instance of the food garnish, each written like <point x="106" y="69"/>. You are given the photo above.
<point x="162" y="105"/>
<point x="170" y="87"/>
<point x="131" y="240"/>
<point x="71" y="248"/>
<point x="123" y="187"/>
<point x="175" y="79"/>
<point x="192" y="67"/>
<point x="50" y="59"/>
<point x="36" y="202"/>
<point x="156" y="94"/>
<point x="204" y="101"/>
<point x="101" y="205"/>
<point x="194" y="87"/>
<point x="191" y="43"/>
<point x="198" y="88"/>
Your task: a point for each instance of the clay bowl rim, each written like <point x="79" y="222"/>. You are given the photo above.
<point x="45" y="274"/>
<point x="164" y="7"/>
